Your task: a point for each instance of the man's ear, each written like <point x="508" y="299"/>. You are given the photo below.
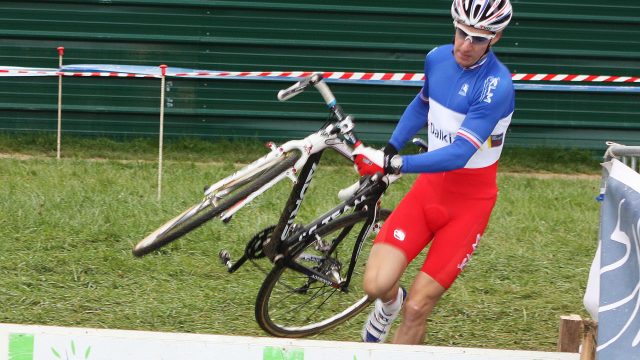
<point x="495" y="39"/>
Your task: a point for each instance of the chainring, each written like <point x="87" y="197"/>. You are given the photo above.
<point x="254" y="246"/>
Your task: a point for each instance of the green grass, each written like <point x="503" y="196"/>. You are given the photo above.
<point x="199" y="150"/>
<point x="67" y="228"/>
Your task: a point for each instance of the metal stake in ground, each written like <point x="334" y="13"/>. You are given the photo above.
<point x="163" y="71"/>
<point x="60" y="55"/>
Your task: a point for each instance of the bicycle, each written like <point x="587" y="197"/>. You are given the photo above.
<point x="315" y="267"/>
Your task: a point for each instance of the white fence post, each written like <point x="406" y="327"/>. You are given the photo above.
<point x="58" y="142"/>
<point x="163" y="71"/>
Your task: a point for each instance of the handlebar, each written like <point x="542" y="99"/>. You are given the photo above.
<point x="295" y="89"/>
<point x="349" y="191"/>
<point x="346" y="193"/>
<point x="300" y="86"/>
<point x="345" y="126"/>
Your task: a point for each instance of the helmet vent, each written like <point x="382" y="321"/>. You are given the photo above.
<point x="491" y="15"/>
<point x="476" y="11"/>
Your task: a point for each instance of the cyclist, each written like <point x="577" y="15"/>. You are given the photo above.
<point x="466" y="102"/>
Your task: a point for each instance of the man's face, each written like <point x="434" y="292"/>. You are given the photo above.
<point x="471" y="43"/>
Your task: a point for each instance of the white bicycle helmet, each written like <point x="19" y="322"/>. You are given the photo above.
<point x="491" y="15"/>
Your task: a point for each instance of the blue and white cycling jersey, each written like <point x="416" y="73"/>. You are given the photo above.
<point x="467" y="111"/>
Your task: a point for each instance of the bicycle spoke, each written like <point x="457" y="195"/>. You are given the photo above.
<point x="294" y="311"/>
<point x="321" y="291"/>
<point x="294" y="290"/>
<point x="332" y="290"/>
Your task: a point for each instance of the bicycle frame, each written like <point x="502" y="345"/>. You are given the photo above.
<point x="290" y="245"/>
<point x="283" y="245"/>
<point x="317" y="142"/>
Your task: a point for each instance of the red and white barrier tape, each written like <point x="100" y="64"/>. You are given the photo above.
<point x="52" y="72"/>
<point x="411" y="76"/>
<point x="575" y="78"/>
<point x="106" y="74"/>
<point x="27" y="72"/>
<point x="360" y="76"/>
<point x="351" y="76"/>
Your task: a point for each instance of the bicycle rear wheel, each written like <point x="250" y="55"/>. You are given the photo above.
<point x="292" y="304"/>
<point x="204" y="211"/>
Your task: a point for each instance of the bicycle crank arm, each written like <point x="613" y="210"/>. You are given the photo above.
<point x="225" y="259"/>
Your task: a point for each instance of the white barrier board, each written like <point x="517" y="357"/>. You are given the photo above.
<point x="28" y="342"/>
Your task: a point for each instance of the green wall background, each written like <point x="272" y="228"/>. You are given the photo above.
<point x="566" y="36"/>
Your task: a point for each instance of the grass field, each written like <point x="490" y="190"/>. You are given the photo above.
<point x="67" y="228"/>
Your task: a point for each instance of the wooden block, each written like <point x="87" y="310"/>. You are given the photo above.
<point x="589" y="340"/>
<point x="570" y="333"/>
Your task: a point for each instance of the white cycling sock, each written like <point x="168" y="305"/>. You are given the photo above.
<point x="394" y="305"/>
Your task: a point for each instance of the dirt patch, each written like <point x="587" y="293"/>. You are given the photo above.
<point x="542" y="175"/>
<point x="18" y="156"/>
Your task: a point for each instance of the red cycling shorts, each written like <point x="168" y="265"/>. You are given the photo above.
<point x="450" y="210"/>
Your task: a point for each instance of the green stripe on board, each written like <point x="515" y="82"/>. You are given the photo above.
<point x="20" y="347"/>
<point x="276" y="353"/>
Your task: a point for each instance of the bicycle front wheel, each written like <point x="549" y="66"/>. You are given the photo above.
<point x="292" y="304"/>
<point x="204" y="211"/>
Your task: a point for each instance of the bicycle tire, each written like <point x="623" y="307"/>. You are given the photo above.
<point x="309" y="307"/>
<point x="187" y="221"/>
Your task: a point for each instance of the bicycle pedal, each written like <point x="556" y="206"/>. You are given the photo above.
<point x="225" y="258"/>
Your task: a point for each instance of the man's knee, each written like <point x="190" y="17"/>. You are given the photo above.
<point x="423" y="297"/>
<point x="418" y="310"/>
<point x="384" y="268"/>
<point x="375" y="289"/>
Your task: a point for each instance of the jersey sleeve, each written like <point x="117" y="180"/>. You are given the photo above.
<point x="414" y="117"/>
<point x="493" y="102"/>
